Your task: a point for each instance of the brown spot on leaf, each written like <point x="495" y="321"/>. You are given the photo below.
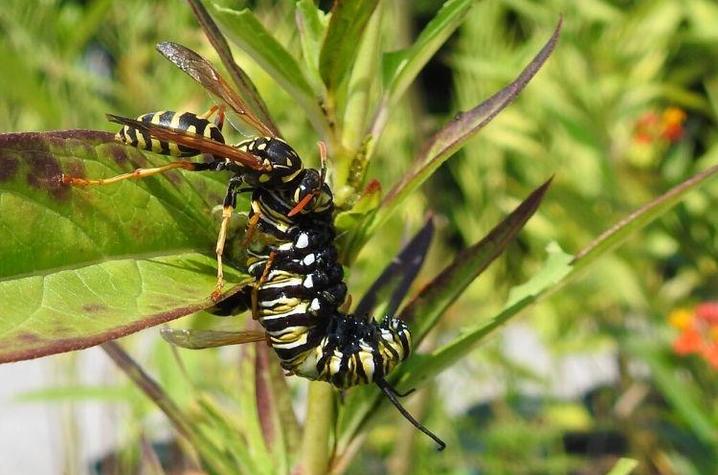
<point x="174" y="177"/>
<point x="27" y="337"/>
<point x="45" y="173"/>
<point x="76" y="169"/>
<point x="119" y="155"/>
<point x="94" y="307"/>
<point x="8" y="167"/>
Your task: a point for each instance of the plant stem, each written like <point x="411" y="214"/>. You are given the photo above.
<point x="211" y="457"/>
<point x="317" y="429"/>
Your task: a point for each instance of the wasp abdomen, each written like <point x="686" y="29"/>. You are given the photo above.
<point x="185" y="121"/>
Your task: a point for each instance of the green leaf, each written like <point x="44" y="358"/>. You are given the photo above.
<point x="361" y="88"/>
<point x="246" y="31"/>
<point x="80" y="266"/>
<point x="425" y="309"/>
<point x="624" y="466"/>
<point x="48" y="225"/>
<point x="346" y="28"/>
<point x="352" y="225"/>
<point x="418" y="370"/>
<point x="312" y="26"/>
<point x="622" y="230"/>
<point x="77" y="308"/>
<point x="402" y="67"/>
<point x="455" y="134"/>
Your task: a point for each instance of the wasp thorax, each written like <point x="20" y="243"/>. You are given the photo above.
<point x="281" y="161"/>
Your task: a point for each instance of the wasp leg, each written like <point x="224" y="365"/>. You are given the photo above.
<point x="138" y="173"/>
<point x="251" y="228"/>
<point x="259" y="283"/>
<point x="230" y="202"/>
<point x="219" y="122"/>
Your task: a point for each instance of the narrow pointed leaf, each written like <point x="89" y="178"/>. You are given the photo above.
<point x="559" y="270"/>
<point x="398" y="276"/>
<point x="79" y="266"/>
<point x="245" y="30"/>
<point x="312" y="28"/>
<point x="455" y="134"/>
<point x="424" y="311"/>
<point x="251" y="424"/>
<point x="346" y="27"/>
<point x="637" y="220"/>
<point x="402" y="67"/>
<point x="245" y="86"/>
<point x="279" y="424"/>
<point x="422" y="368"/>
<point x="210" y="455"/>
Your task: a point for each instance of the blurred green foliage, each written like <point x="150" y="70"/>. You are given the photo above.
<point x="619" y="67"/>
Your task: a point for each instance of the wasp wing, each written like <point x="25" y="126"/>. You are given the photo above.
<point x="192" y="140"/>
<point x="245" y="86"/>
<point x="198" y="339"/>
<point x="204" y="73"/>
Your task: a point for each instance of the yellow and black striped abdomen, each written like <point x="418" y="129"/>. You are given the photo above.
<point x="185" y="121"/>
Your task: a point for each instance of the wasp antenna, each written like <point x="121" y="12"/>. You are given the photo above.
<point x="391" y="394"/>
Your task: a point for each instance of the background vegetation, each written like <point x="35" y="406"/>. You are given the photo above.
<point x="624" y="109"/>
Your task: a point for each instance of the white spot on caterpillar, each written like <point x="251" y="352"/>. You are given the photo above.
<point x="308" y="282"/>
<point x="302" y="241"/>
<point x="315" y="305"/>
<point x="308" y="259"/>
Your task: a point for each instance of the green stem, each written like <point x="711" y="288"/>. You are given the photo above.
<point x="317" y="429"/>
<point x="211" y="456"/>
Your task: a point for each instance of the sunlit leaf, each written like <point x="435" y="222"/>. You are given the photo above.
<point x="624" y="466"/>
<point x="80" y="266"/>
<point x="455" y="134"/>
<point x="344" y="33"/>
<point x="424" y="311"/>
<point x="311" y="24"/>
<point x="244" y="29"/>
<point x="402" y="67"/>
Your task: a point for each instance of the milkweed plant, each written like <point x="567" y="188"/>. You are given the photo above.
<point x="84" y="267"/>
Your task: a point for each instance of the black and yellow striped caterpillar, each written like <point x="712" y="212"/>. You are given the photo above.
<point x="299" y="289"/>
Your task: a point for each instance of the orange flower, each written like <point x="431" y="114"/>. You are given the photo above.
<point x="650" y="128"/>
<point x="689" y="341"/>
<point x="698" y="331"/>
<point x="710" y="354"/>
